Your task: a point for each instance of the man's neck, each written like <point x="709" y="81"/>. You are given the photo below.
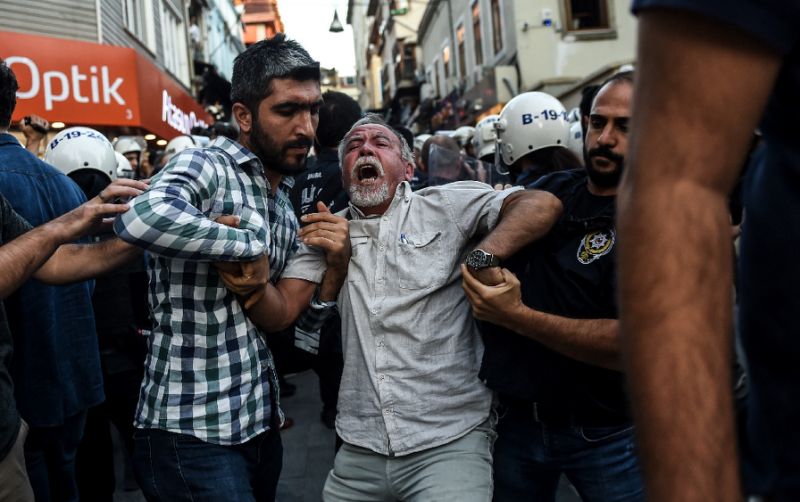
<point x="274" y="180"/>
<point x="601" y="191"/>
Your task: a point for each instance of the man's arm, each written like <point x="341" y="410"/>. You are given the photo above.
<point x="168" y="219"/>
<point x="525" y="216"/>
<point x="21" y="257"/>
<point x="708" y="85"/>
<point x="275" y="307"/>
<point x="592" y="341"/>
<point x="78" y="262"/>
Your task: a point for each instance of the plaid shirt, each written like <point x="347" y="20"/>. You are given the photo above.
<point x="208" y="370"/>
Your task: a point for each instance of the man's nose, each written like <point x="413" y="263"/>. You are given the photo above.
<point x="608" y="136"/>
<point x="305" y="125"/>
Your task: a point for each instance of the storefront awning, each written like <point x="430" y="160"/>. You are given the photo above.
<point x="92" y="84"/>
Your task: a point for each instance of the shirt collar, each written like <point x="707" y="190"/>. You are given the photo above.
<point x="8" y="139"/>
<point x="246" y="158"/>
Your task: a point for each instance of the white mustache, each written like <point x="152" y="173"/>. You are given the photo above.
<point x="373" y="161"/>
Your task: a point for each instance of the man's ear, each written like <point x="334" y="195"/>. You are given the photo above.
<point x="409" y="171"/>
<point x="243" y="117"/>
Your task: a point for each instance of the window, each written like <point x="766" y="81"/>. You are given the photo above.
<point x="497" y="27"/>
<point x="462" y="56"/>
<point x="476" y="33"/>
<point x="587" y="15"/>
<point x="173" y="39"/>
<point x="138" y="17"/>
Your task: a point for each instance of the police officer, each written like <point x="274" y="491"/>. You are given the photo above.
<point x="552" y="351"/>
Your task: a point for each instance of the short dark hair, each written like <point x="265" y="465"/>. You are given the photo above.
<point x="619" y="77"/>
<point x="337" y="115"/>
<point x="255" y="68"/>
<point x="8" y="94"/>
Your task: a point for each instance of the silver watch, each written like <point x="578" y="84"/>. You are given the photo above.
<point x="478" y="259"/>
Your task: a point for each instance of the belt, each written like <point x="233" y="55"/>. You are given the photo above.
<point x="559" y="416"/>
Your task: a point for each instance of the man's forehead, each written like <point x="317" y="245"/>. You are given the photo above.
<point x="370" y="130"/>
<point x="613" y="100"/>
<point x="289" y="89"/>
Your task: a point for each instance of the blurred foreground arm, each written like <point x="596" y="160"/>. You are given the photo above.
<point x="709" y="85"/>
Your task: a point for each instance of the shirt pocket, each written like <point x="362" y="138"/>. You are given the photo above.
<point x="420" y="261"/>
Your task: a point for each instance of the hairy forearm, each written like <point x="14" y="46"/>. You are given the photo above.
<point x="592" y="341"/>
<point x="281" y="304"/>
<point x="525" y="217"/>
<point x="20" y="258"/>
<point x="79" y="262"/>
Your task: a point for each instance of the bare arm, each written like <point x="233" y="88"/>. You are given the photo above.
<point x="20" y="258"/>
<point x="709" y="84"/>
<point x="592" y="341"/>
<point x="78" y="262"/>
<point x="525" y="216"/>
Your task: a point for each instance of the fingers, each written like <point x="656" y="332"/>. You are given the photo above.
<point x="322" y="216"/>
<point x="322" y="208"/>
<point x="330" y="226"/>
<point x="230" y="267"/>
<point x="121" y="189"/>
<point x="228" y="220"/>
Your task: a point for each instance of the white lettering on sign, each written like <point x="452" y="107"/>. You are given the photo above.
<point x="177" y="118"/>
<point x="58" y="86"/>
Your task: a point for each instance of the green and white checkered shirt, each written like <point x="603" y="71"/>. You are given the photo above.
<point x="208" y="371"/>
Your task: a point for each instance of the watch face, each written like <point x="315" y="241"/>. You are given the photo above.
<point x="478" y="259"/>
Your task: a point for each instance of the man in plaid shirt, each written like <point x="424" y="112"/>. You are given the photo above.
<point x="208" y="414"/>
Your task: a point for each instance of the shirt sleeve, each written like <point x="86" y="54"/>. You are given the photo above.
<point x="474" y="206"/>
<point x="170" y="219"/>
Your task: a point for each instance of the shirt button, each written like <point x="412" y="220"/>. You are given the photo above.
<point x="385" y="218"/>
<point x="381" y="247"/>
<point x="381" y="377"/>
<point x="374" y="311"/>
<point x="385" y="411"/>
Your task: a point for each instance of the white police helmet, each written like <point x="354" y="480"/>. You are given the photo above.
<point x="420" y="140"/>
<point x="124" y="169"/>
<point x="79" y="148"/>
<point x="485" y="138"/>
<point x="464" y="135"/>
<point x="575" y="141"/>
<point x="126" y="144"/>
<point x="180" y="143"/>
<point x="529" y="122"/>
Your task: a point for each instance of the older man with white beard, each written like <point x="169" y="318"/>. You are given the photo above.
<point x="414" y="417"/>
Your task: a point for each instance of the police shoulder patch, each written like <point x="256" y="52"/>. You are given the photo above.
<point x="595" y="244"/>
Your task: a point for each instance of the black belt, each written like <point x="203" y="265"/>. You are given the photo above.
<point x="559" y="416"/>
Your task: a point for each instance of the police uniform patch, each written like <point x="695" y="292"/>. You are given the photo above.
<point x="595" y="244"/>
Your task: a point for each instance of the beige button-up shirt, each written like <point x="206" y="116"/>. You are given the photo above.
<point x="411" y="347"/>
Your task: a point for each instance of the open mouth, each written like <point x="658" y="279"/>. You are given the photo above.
<point x="367" y="172"/>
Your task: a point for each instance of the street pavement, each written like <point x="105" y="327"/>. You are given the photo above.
<point x="308" y="449"/>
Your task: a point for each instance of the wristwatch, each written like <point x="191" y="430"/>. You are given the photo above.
<point x="478" y="259"/>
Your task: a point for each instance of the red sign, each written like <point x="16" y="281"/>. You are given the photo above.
<point x="91" y="84"/>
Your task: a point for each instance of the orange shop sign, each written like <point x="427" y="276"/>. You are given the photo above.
<point x="91" y="84"/>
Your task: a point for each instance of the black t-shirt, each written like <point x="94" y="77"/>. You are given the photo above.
<point x="322" y="182"/>
<point x="569" y="273"/>
<point x="11" y="226"/>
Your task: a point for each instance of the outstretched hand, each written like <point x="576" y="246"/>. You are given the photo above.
<point x="494" y="303"/>
<point x="329" y="232"/>
<point x="93" y="216"/>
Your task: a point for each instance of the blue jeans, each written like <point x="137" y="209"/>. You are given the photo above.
<point x="50" y="459"/>
<point x="177" y="467"/>
<point x="530" y="456"/>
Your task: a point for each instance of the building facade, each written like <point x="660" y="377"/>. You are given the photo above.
<point x="119" y="65"/>
<point x="475" y="55"/>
